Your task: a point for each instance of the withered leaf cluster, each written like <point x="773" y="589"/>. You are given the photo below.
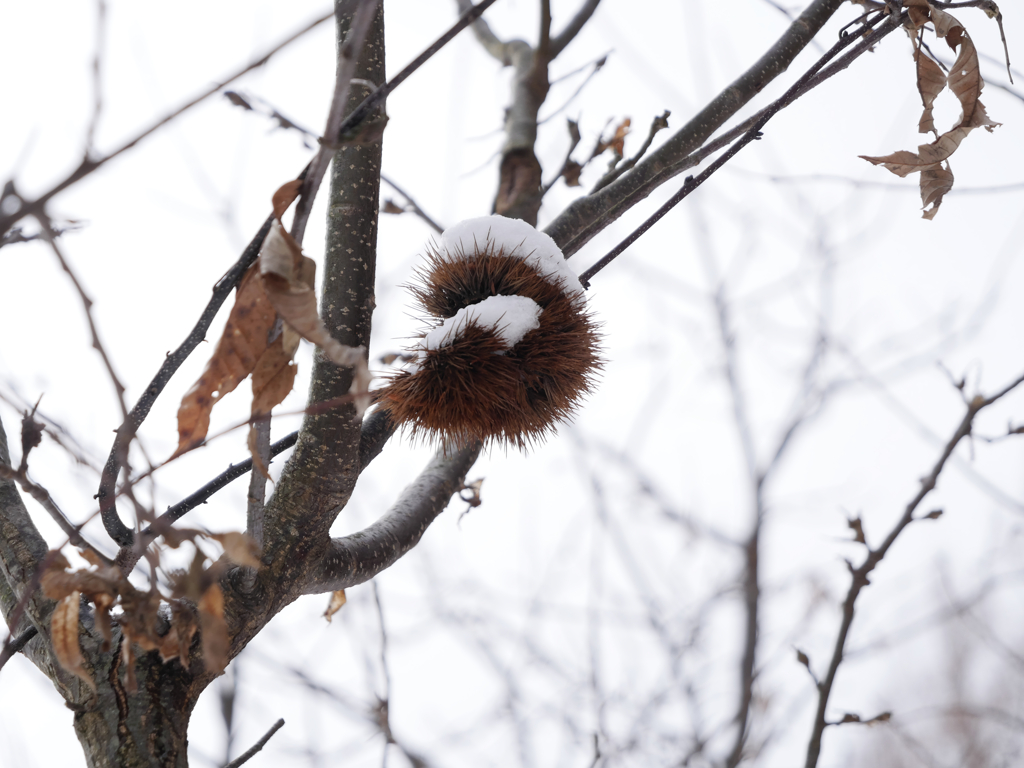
<point x="965" y="82"/>
<point x="275" y="306"/>
<point x="149" y="620"/>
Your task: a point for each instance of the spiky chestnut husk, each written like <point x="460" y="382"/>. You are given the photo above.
<point x="476" y="388"/>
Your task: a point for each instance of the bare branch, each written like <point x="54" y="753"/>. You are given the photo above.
<point x="22" y="549"/>
<point x="255" y="748"/>
<point x="348" y="55"/>
<point x="752" y="133"/>
<point x="47" y="229"/>
<point x="358" y="558"/>
<point x="413" y="205"/>
<point x="89" y="165"/>
<point x="573" y="27"/>
<point x="97" y="75"/>
<point x="117" y="530"/>
<point x="859" y="575"/>
<point x="586" y="217"/>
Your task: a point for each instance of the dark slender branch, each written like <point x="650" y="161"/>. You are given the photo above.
<point x="117" y="530"/>
<point x="750" y="135"/>
<point x="348" y="55"/>
<point x="41" y="495"/>
<point x="413" y="205"/>
<point x="249" y="753"/>
<point x="358" y="558"/>
<point x="370" y="103"/>
<point x="97" y="72"/>
<point x="47" y="229"/>
<point x="578" y="223"/>
<point x="859" y="575"/>
<point x="657" y="124"/>
<point x="14" y="644"/>
<point x="377" y="429"/>
<point x="573" y="28"/>
<point x="89" y="164"/>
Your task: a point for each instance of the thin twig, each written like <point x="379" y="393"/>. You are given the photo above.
<point x="348" y="55"/>
<point x="413" y="205"/>
<point x="249" y="753"/>
<point x="859" y="575"/>
<point x="41" y="495"/>
<point x="14" y="644"/>
<point x="47" y="228"/>
<point x="370" y="103"/>
<point x="752" y="133"/>
<point x="89" y="165"/>
<point x="97" y="75"/>
<point x="117" y="530"/>
<point x="656" y="125"/>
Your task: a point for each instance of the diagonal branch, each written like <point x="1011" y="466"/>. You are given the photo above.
<point x="89" y="164"/>
<point x="348" y="55"/>
<point x="117" y="530"/>
<point x="587" y="216"/>
<point x="573" y="28"/>
<point x="859" y="575"/>
<point x="359" y="557"/>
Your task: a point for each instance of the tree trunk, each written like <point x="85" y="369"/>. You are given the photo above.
<point x="148" y="727"/>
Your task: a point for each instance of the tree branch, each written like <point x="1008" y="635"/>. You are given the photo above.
<point x="117" y="530"/>
<point x="573" y="28"/>
<point x="859" y="575"/>
<point x="22" y="551"/>
<point x="359" y="557"/>
<point x="587" y="216"/>
<point x="251" y="752"/>
<point x="89" y="164"/>
<point x="348" y="55"/>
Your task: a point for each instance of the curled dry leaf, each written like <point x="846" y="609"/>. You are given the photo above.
<point x="289" y="278"/>
<point x="285" y="196"/>
<point x="240" y="347"/>
<point x="930" y="82"/>
<point x="213" y="629"/>
<point x="338" y="599"/>
<point x="965" y="81"/>
<point x="64" y="635"/>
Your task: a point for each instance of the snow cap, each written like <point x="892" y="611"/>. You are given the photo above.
<point x="511" y="317"/>
<point x="513" y="237"/>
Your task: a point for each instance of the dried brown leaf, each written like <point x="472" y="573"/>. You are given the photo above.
<point x="214" y="630"/>
<point x="935" y="183"/>
<point x="102" y="619"/>
<point x="338" y="599"/>
<point x="285" y="196"/>
<point x="965" y="82"/>
<point x="390" y="207"/>
<point x="240" y="347"/>
<point x="618" y="141"/>
<point x="64" y="636"/>
<point x="274" y="374"/>
<point x="239" y="548"/>
<point x="930" y="82"/>
<point x="918" y="11"/>
<point x="288" y="278"/>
